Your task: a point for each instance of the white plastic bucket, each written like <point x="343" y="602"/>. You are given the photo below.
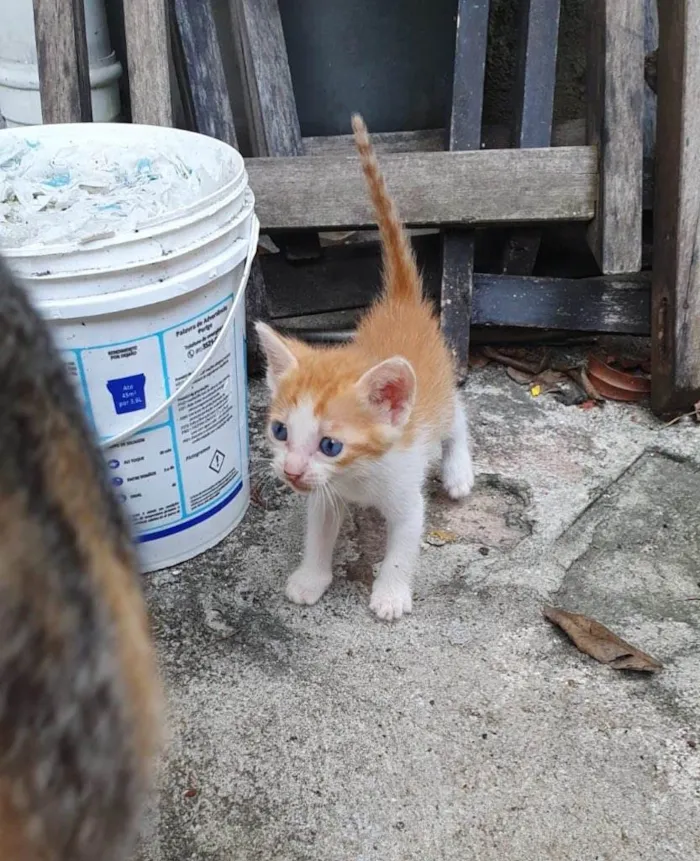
<point x="20" y="102"/>
<point x="151" y="323"/>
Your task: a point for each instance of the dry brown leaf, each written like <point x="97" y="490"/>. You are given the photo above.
<point x="522" y="378"/>
<point x="600" y="643"/>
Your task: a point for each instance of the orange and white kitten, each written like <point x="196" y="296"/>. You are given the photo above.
<point x="362" y="422"/>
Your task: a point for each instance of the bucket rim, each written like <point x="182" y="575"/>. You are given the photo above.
<point x="52" y="269"/>
<point x="145" y="296"/>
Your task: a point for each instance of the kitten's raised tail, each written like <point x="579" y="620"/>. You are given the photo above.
<point x="401" y="278"/>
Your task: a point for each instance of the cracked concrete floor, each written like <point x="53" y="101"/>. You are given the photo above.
<point x="471" y="729"/>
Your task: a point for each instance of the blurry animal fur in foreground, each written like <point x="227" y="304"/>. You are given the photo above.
<point x="79" y="695"/>
<point x="362" y="422"/>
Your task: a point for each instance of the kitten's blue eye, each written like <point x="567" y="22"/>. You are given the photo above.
<point x="279" y="431"/>
<point x="330" y="447"/>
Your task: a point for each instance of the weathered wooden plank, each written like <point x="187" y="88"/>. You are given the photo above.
<point x="605" y="304"/>
<point x="480" y="187"/>
<point x="457" y="285"/>
<point x="676" y="281"/>
<point x="204" y="84"/>
<point x="270" y="104"/>
<point x="568" y="133"/>
<point x="338" y="327"/>
<point x="347" y="279"/>
<point x="207" y="97"/>
<point x="651" y="43"/>
<point x="257" y="307"/>
<point x="534" y="103"/>
<point x="273" y="120"/>
<point x="536" y="72"/>
<point x="464" y="133"/>
<point x="146" y="33"/>
<point x="64" y="74"/>
<point x="615" y="125"/>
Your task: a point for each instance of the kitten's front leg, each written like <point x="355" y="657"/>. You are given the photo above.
<point x="314" y="575"/>
<point x="391" y="594"/>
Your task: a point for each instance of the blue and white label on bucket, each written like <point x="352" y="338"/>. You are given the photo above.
<point x="188" y="462"/>
<point x="128" y="393"/>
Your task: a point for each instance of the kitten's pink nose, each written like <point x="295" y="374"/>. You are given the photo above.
<point x="294" y="467"/>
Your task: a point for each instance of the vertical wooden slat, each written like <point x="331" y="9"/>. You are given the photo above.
<point x="464" y="134"/>
<point x="257" y="307"/>
<point x="676" y="275"/>
<point x="651" y="43"/>
<point x="146" y="33"/>
<point x="206" y="90"/>
<point x="534" y="102"/>
<point x="615" y="121"/>
<point x="206" y="93"/>
<point x="61" y="47"/>
<point x="273" y="120"/>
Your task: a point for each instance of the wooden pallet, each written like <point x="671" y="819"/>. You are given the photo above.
<point x="446" y="177"/>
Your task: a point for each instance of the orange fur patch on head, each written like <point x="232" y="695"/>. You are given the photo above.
<point x="327" y="378"/>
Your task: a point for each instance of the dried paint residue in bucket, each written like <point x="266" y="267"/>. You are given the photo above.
<point x="49" y="196"/>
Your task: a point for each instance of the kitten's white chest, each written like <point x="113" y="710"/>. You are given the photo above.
<point x="382" y="482"/>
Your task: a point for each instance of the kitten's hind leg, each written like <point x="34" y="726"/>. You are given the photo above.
<point x="311" y="579"/>
<point x="457" y="467"/>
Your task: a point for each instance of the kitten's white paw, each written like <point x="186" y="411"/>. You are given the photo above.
<point x="305" y="586"/>
<point x="458" y="476"/>
<point x="390" y="599"/>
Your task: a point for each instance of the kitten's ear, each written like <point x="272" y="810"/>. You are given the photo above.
<point x="280" y="358"/>
<point x="389" y="389"/>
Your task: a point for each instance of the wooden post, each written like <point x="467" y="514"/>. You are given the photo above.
<point x="464" y="134"/>
<point x="204" y="81"/>
<point x="651" y="43"/>
<point x="615" y="121"/>
<point x="146" y="32"/>
<point x="61" y="47"/>
<point x="534" y="103"/>
<point x="207" y="97"/>
<point x="676" y="276"/>
<point x="270" y="103"/>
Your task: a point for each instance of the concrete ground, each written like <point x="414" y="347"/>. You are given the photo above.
<point x="472" y="729"/>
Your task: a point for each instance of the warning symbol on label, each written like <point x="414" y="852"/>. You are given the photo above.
<point x="217" y="461"/>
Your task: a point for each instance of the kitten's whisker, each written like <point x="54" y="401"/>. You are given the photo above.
<point x="339" y="501"/>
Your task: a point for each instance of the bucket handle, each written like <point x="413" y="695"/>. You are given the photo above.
<point x="252" y="247"/>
